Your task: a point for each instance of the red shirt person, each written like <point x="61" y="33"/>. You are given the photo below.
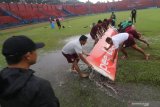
<point x="105" y="25"/>
<point x="137" y="35"/>
<point x="96" y="31"/>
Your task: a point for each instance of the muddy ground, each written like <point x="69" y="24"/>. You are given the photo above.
<point x="96" y="91"/>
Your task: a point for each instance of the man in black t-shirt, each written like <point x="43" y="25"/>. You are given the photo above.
<point x="133" y="15"/>
<point x="113" y="19"/>
<point x="58" y="23"/>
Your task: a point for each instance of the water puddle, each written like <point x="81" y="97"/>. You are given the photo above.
<point x="74" y="91"/>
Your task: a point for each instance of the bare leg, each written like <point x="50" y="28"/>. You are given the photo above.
<point x="75" y="65"/>
<point x="144" y="41"/>
<point x="124" y="52"/>
<point x="141" y="51"/>
<point x="72" y="66"/>
<point x="73" y="69"/>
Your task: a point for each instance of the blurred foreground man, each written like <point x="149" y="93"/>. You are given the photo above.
<point x="19" y="87"/>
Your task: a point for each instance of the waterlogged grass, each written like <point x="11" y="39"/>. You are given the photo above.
<point x="135" y="69"/>
<point x="82" y="91"/>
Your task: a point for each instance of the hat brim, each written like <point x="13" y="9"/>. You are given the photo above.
<point x="39" y="45"/>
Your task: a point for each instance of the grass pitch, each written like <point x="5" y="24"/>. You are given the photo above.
<point x="135" y="69"/>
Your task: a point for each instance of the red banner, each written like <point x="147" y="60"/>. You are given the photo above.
<point x="100" y="58"/>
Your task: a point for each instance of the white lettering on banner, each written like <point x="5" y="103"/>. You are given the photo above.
<point x="104" y="63"/>
<point x="105" y="59"/>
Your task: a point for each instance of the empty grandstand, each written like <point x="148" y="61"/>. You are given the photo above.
<point x="12" y="14"/>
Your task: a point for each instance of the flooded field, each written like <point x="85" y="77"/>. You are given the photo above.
<point x="97" y="91"/>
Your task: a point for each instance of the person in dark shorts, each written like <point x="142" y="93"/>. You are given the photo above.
<point x="123" y="40"/>
<point x="58" y="23"/>
<point x="96" y="31"/>
<point x="137" y="35"/>
<point x="128" y="27"/>
<point x="133" y="15"/>
<point x="19" y="87"/>
<point x="72" y="51"/>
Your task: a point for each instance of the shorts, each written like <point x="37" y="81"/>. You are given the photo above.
<point x="134" y="33"/>
<point x="129" y="42"/>
<point x="71" y="58"/>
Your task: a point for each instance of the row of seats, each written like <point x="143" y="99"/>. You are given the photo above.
<point x="73" y="9"/>
<point x="7" y="20"/>
<point x="44" y="11"/>
<point x="1" y="13"/>
<point x="158" y="3"/>
<point x="28" y="11"/>
<point x="98" y="8"/>
<point x="130" y="4"/>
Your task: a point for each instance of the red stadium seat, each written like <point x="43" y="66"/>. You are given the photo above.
<point x="4" y="5"/>
<point x="14" y="8"/>
<point x="44" y="11"/>
<point x="7" y="20"/>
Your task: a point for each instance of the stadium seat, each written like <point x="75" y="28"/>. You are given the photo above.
<point x="30" y="12"/>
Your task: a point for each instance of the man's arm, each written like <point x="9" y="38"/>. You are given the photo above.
<point x="84" y="60"/>
<point x="114" y="55"/>
<point x="108" y="47"/>
<point x="84" y="53"/>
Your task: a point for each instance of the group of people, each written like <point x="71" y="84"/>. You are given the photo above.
<point x="101" y="27"/>
<point x="53" y="20"/>
<point x="19" y="87"/>
<point x="126" y="36"/>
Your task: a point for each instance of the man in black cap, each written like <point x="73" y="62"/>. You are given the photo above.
<point x="19" y="87"/>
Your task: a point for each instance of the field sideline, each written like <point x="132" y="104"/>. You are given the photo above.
<point x="135" y="69"/>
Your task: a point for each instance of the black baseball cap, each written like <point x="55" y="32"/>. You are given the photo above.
<point x="19" y="45"/>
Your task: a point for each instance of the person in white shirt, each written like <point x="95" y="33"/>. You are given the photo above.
<point x="123" y="40"/>
<point x="72" y="51"/>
